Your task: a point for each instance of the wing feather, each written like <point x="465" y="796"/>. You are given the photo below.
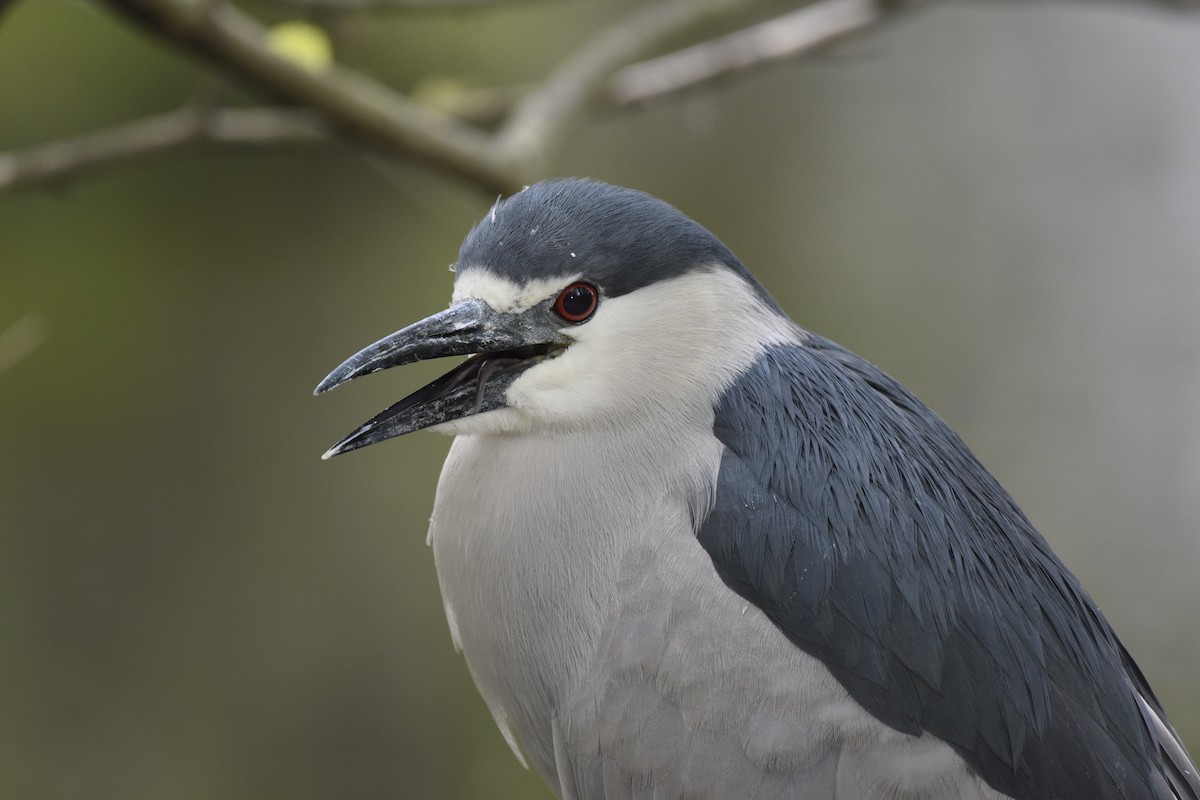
<point x="872" y="537"/>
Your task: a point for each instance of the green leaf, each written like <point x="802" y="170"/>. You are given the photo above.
<point x="302" y="43"/>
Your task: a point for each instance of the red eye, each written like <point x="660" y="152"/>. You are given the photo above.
<point x="577" y="302"/>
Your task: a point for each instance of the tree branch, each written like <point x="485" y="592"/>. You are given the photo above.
<point x="222" y="33"/>
<point x="541" y="117"/>
<point x="66" y="158"/>
<point x="219" y="31"/>
<point x="783" y="37"/>
<point x="445" y="129"/>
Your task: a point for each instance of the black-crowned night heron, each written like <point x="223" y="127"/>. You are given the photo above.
<point x="690" y="549"/>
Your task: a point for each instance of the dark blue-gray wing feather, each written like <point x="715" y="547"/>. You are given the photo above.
<point x="869" y="533"/>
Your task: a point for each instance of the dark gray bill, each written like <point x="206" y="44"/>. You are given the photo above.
<point x="501" y="345"/>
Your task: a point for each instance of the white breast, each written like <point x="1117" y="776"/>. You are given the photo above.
<point x="529" y="533"/>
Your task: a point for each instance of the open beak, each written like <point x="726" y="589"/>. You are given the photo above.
<point x="501" y="346"/>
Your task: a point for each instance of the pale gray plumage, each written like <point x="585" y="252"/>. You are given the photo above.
<point x="690" y="550"/>
<point x="658" y="680"/>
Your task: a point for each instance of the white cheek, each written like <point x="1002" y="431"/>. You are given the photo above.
<point x="668" y="348"/>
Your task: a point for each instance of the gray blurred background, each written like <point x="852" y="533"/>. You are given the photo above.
<point x="998" y="203"/>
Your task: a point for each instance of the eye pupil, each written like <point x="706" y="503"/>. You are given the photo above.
<point x="577" y="302"/>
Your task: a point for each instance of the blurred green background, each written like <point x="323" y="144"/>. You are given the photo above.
<point x="998" y="203"/>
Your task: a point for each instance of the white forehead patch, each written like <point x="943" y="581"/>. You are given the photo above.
<point x="504" y="295"/>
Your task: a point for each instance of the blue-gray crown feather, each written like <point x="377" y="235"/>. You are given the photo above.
<point x="868" y="532"/>
<point x="617" y="238"/>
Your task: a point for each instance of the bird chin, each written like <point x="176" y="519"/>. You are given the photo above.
<point x="470" y="391"/>
<point x="497" y="421"/>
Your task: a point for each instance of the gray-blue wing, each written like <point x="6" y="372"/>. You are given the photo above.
<point x="869" y="534"/>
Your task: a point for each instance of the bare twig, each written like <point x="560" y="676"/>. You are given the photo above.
<point x="541" y="117"/>
<point x="786" y="36"/>
<point x="20" y="339"/>
<point x="517" y="153"/>
<point x="59" y="160"/>
<point x="221" y="32"/>
<point x="357" y="104"/>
